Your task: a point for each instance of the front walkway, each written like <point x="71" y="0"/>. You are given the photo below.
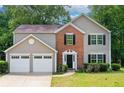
<point x="68" y="73"/>
<point x="26" y="80"/>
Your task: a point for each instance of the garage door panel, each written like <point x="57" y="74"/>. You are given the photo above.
<point x="20" y="63"/>
<point x="42" y="63"/>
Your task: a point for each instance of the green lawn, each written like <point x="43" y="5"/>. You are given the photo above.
<point x="109" y="79"/>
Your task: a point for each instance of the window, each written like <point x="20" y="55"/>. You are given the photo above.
<point x="69" y="39"/>
<point x="99" y="39"/>
<point x="25" y="57"/>
<point x="47" y="57"/>
<point x="97" y="58"/>
<point x="96" y="40"/>
<point x="15" y="57"/>
<point x="38" y="57"/>
<point x="93" y="58"/>
<point x="93" y="39"/>
<point x="100" y="58"/>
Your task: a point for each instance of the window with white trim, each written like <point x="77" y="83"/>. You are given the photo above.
<point x="37" y="57"/>
<point x="96" y="58"/>
<point x="93" y="58"/>
<point x="24" y="57"/>
<point x="47" y="57"/>
<point x="96" y="39"/>
<point x="99" y="39"/>
<point x="15" y="57"/>
<point x="69" y="39"/>
<point x="93" y="39"/>
<point x="100" y="58"/>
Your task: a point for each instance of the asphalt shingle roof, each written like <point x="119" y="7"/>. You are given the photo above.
<point x="37" y="28"/>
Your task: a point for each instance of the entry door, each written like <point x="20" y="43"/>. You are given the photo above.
<point x="69" y="61"/>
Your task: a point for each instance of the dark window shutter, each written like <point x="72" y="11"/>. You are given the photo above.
<point x="104" y="58"/>
<point x="104" y="39"/>
<point x="89" y="40"/>
<point x="64" y="39"/>
<point x="89" y="58"/>
<point x="74" y="39"/>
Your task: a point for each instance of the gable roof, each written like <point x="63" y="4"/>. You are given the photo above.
<point x="53" y="28"/>
<point x="60" y="29"/>
<point x="26" y="39"/>
<point x="37" y="28"/>
<point x="91" y="21"/>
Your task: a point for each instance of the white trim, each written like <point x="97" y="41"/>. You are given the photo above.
<point x="18" y="54"/>
<point x="92" y="21"/>
<point x="96" y="53"/>
<point x="74" y="63"/>
<point x="13" y="38"/>
<point x="96" y="33"/>
<point x="37" y="54"/>
<point x="110" y="49"/>
<point x="55" y="60"/>
<point x="27" y="38"/>
<point x="60" y="29"/>
<point x="6" y="57"/>
<point x="69" y="33"/>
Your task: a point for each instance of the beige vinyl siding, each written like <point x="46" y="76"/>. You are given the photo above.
<point x="91" y="28"/>
<point x="47" y="38"/>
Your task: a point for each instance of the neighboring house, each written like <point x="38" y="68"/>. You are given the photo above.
<point x="40" y="48"/>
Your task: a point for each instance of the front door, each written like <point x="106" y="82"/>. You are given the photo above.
<point x="69" y="61"/>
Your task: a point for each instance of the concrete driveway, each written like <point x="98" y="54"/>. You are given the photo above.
<point x="26" y="80"/>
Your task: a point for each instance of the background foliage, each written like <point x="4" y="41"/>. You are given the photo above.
<point x="112" y="18"/>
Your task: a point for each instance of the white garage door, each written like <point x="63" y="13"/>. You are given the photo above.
<point x="19" y="63"/>
<point x="42" y="62"/>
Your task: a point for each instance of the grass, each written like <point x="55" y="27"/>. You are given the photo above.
<point x="108" y="79"/>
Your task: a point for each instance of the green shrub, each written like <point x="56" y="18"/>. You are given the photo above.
<point x="89" y="68"/>
<point x="62" y="68"/>
<point x="3" y="67"/>
<point x="116" y="66"/>
<point x="104" y="67"/>
<point x="95" y="67"/>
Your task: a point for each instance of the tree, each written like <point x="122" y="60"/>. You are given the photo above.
<point x="112" y="18"/>
<point x="14" y="16"/>
<point x="32" y="14"/>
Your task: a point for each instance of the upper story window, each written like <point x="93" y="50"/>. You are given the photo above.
<point x="96" y="39"/>
<point x="69" y="39"/>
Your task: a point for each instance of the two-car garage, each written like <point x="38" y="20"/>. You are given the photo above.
<point x="36" y="57"/>
<point x="23" y="63"/>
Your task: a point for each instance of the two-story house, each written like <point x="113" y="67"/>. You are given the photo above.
<point x="40" y="48"/>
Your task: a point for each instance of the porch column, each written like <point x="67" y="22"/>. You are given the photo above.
<point x="63" y="58"/>
<point x="75" y="61"/>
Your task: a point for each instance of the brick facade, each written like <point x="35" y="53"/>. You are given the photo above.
<point x="78" y="47"/>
